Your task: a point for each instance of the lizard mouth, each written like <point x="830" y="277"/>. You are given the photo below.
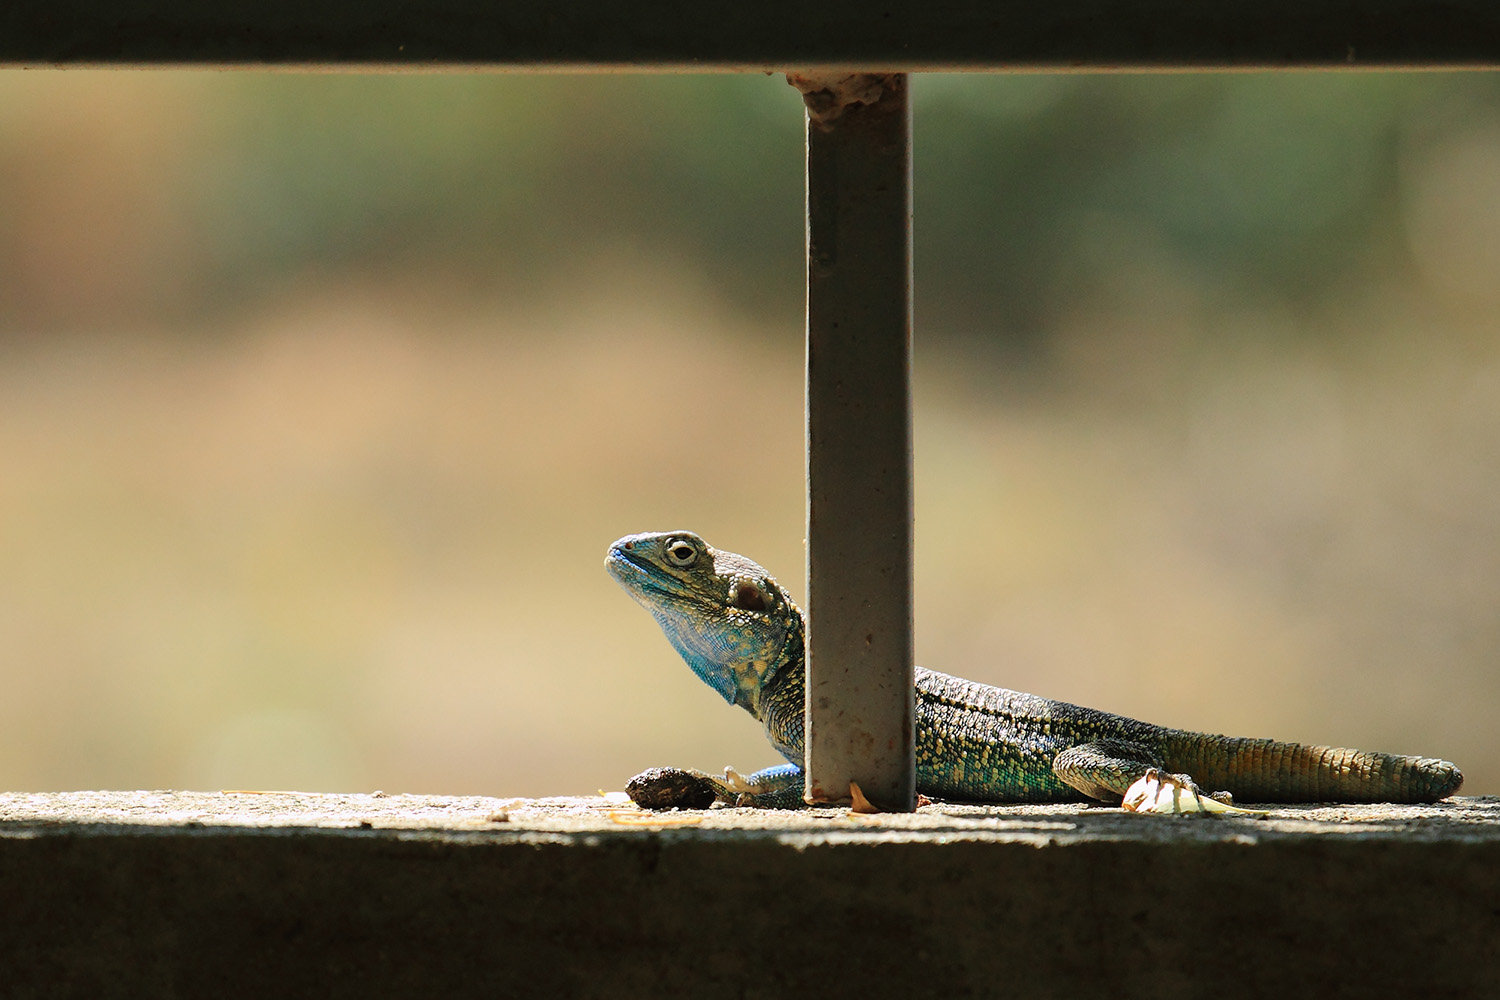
<point x="643" y="579"/>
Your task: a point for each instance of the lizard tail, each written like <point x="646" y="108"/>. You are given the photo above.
<point x="1267" y="771"/>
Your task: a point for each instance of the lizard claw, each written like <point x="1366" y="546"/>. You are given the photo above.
<point x="1159" y="792"/>
<point x="737" y="782"/>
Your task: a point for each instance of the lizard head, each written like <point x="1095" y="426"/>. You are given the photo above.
<point x="728" y="617"/>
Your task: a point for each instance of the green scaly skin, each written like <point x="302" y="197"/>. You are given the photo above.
<point x="743" y="636"/>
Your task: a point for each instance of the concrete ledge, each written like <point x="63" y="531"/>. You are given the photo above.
<point x="169" y="894"/>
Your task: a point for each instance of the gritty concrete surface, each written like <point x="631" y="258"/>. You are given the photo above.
<point x="1466" y="819"/>
<point x="253" y="894"/>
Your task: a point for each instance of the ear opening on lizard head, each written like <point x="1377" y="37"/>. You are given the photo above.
<point x="747" y="596"/>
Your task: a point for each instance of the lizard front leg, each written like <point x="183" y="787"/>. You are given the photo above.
<point x="1134" y="776"/>
<point x="685" y="788"/>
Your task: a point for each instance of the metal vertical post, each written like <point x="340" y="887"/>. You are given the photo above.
<point x="859" y="455"/>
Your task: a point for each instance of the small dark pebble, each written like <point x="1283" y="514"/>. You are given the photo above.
<point x="670" y="788"/>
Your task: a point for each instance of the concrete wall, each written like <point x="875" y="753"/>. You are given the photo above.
<point x="240" y="896"/>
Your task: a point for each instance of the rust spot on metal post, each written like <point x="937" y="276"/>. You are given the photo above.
<point x="828" y="97"/>
<point x="859" y="514"/>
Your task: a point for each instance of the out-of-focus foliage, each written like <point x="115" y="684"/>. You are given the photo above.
<point x="215" y="187"/>
<point x="231" y="186"/>
<point x="1275" y="186"/>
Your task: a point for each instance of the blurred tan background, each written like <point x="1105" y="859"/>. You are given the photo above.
<point x="322" y="396"/>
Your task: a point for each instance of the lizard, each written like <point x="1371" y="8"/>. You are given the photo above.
<point x="741" y="633"/>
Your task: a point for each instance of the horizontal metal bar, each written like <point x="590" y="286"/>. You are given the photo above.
<point x="699" y="35"/>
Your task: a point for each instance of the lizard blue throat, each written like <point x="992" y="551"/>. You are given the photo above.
<point x="743" y="636"/>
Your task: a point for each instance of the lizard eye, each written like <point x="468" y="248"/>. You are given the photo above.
<point x="681" y="553"/>
<point x="748" y="597"/>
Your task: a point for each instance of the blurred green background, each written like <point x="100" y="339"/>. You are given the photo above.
<point x="321" y="398"/>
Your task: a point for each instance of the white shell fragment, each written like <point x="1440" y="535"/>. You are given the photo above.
<point x="1159" y="792"/>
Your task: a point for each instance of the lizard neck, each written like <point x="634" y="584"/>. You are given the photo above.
<point x="763" y="686"/>
<point x="780" y="704"/>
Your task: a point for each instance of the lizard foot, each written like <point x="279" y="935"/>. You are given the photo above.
<point x="671" y="788"/>
<point x="1159" y="792"/>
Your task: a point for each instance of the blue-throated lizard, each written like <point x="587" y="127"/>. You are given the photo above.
<point x="742" y="635"/>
